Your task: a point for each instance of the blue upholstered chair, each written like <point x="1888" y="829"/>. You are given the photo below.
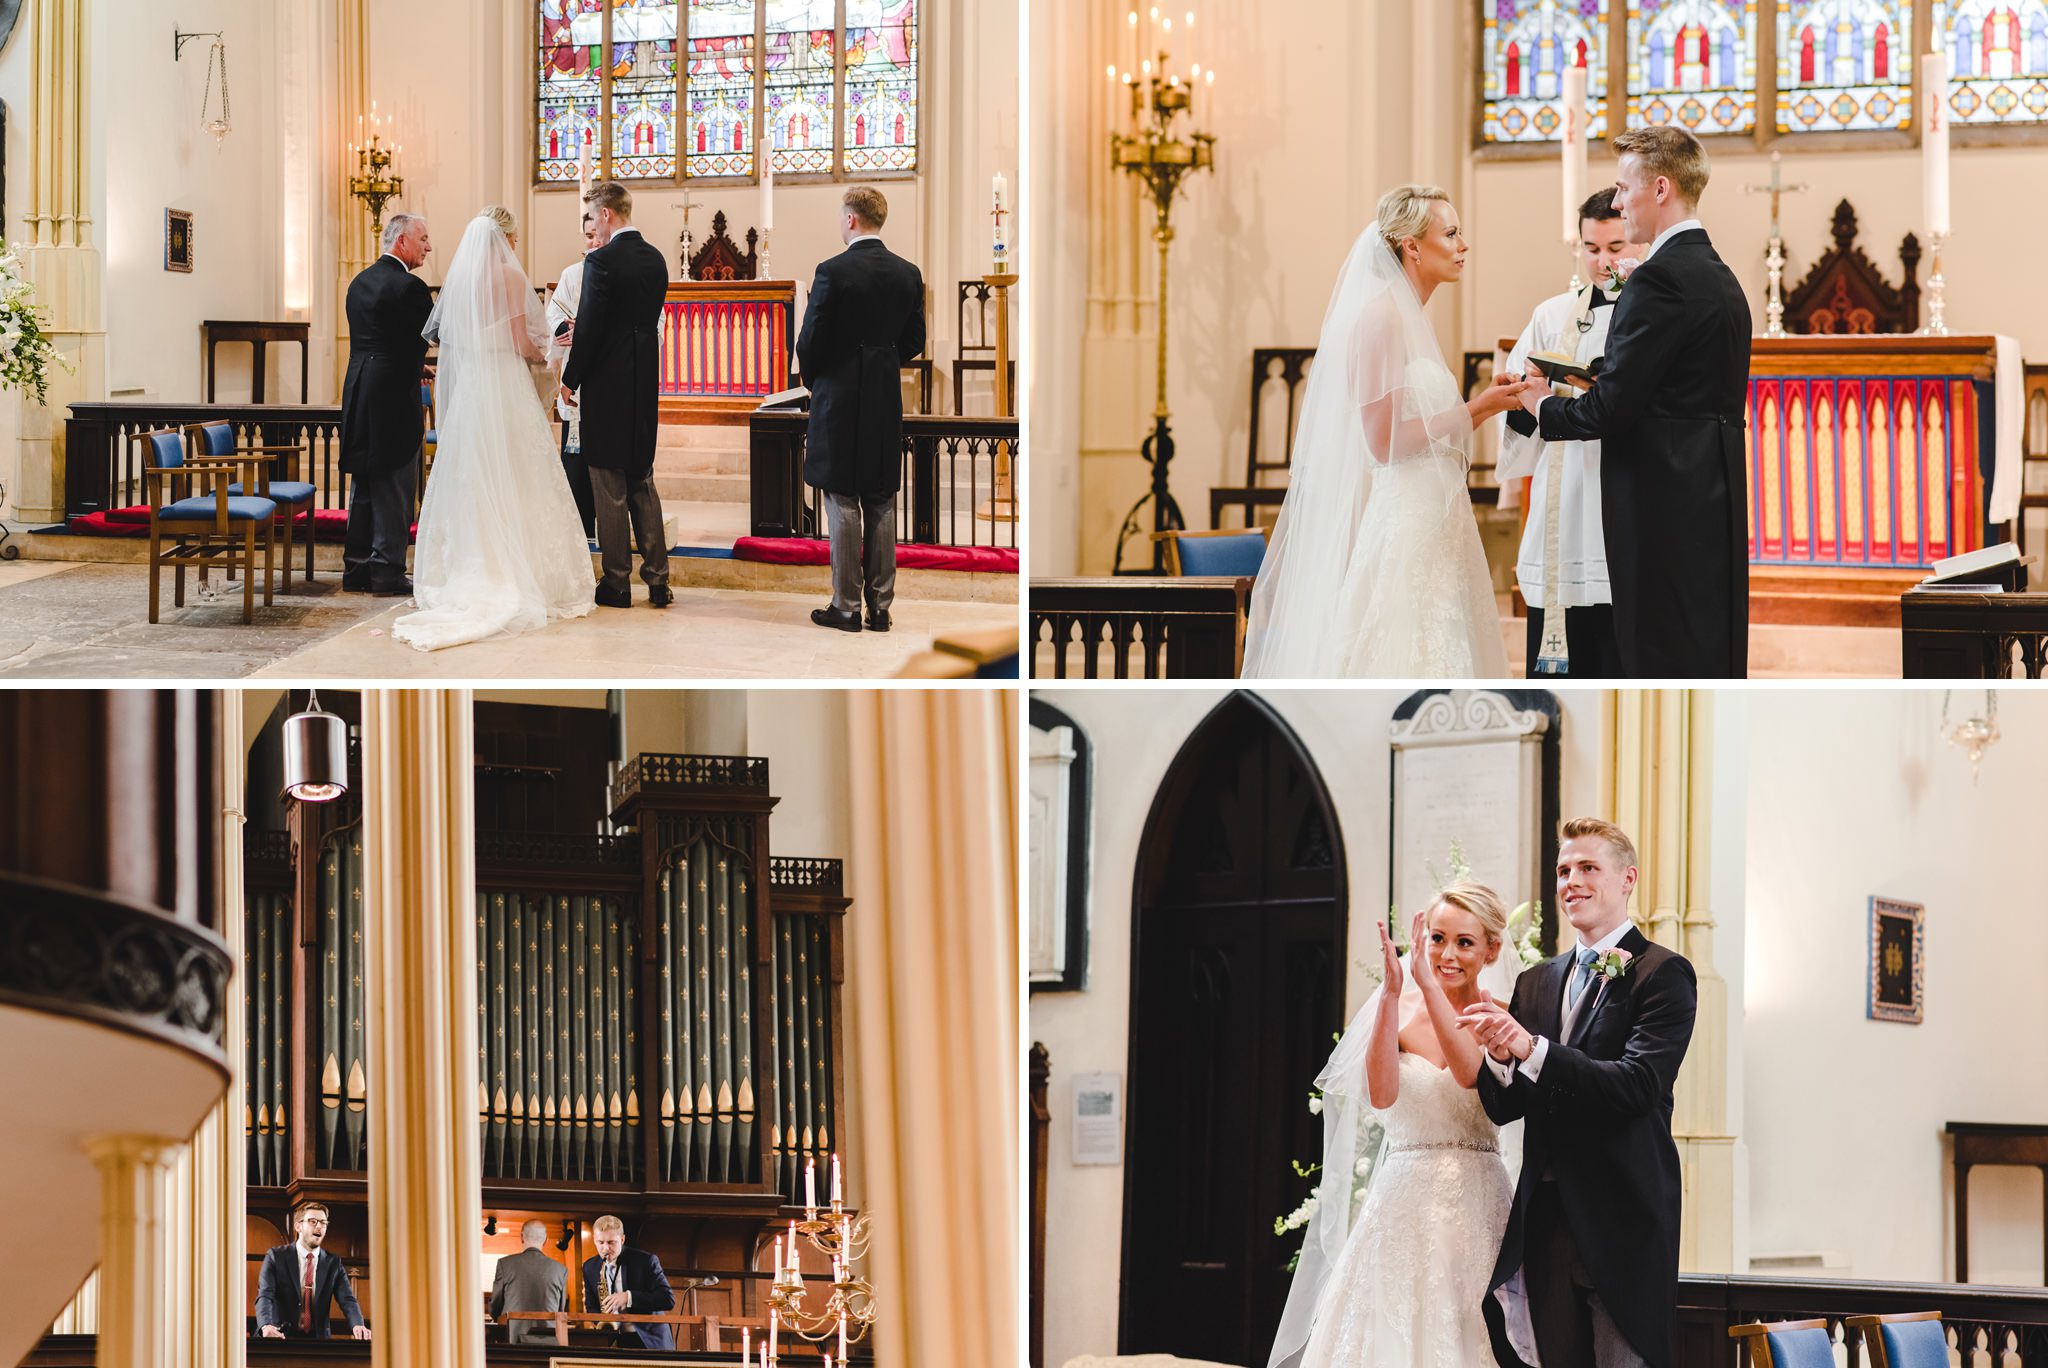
<point x="1230" y="553"/>
<point x="1913" y="1339"/>
<point x="216" y="442"/>
<point x="191" y="509"/>
<point x="432" y="438"/>
<point x="1787" y="1344"/>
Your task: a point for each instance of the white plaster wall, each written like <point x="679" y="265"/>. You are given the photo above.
<point x="14" y="79"/>
<point x="1851" y="793"/>
<point x="1135" y="737"/>
<point x="803" y="732"/>
<point x="153" y="156"/>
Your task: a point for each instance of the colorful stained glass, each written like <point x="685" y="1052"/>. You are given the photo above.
<point x="878" y="131"/>
<point x="718" y="130"/>
<point x="797" y="88"/>
<point x="643" y="89"/>
<point x="1998" y="59"/>
<point x="1527" y="44"/>
<point x="1693" y="63"/>
<point x="1844" y="64"/>
<point x="570" y="86"/>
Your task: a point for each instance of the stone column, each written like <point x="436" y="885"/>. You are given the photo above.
<point x="355" y="248"/>
<point x="82" y="1316"/>
<point x="426" y="1182"/>
<point x="57" y="252"/>
<point x="134" y="1272"/>
<point x="1659" y="788"/>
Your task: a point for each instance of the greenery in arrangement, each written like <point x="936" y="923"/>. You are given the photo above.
<point x="1526" y="944"/>
<point x="26" y="352"/>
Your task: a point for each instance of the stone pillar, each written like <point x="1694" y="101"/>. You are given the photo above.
<point x="1659" y="784"/>
<point x="134" y="1271"/>
<point x="355" y="248"/>
<point x="57" y="252"/>
<point x="82" y="1316"/>
<point x="426" y="1181"/>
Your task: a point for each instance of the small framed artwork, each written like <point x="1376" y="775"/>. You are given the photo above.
<point x="1897" y="960"/>
<point x="177" y="241"/>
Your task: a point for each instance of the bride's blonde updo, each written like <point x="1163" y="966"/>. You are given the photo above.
<point x="1404" y="211"/>
<point x="500" y="215"/>
<point x="1482" y="902"/>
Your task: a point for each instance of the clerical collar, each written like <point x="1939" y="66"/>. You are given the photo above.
<point x="1671" y="232"/>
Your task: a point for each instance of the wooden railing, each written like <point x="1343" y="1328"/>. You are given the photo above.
<point x="954" y="472"/>
<point x="1947" y="634"/>
<point x="1137" y="627"/>
<point x="102" y="469"/>
<point x="2002" y="1326"/>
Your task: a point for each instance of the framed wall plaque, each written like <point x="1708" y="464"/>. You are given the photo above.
<point x="1898" y="935"/>
<point x="177" y="241"/>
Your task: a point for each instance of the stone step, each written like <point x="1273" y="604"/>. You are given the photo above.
<point x="691" y="488"/>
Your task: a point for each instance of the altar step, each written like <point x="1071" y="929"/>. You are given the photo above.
<point x="698" y="463"/>
<point x="1798" y="597"/>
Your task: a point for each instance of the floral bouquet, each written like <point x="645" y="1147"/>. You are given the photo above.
<point x="26" y="352"/>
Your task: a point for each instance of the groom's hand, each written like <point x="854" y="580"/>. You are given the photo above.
<point x="1532" y="396"/>
<point x="1499" y="1033"/>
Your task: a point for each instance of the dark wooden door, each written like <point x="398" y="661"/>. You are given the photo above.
<point x="1237" y="989"/>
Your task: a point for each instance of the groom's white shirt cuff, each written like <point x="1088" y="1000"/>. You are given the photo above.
<point x="1529" y="1068"/>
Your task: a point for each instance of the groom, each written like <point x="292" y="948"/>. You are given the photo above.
<point x="1669" y="408"/>
<point x="1587" y="1055"/>
<point x="615" y="360"/>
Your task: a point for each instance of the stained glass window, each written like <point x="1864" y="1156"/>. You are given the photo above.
<point x="663" y="89"/>
<point x="1844" y="64"/>
<point x="1998" y="59"/>
<point x="801" y="35"/>
<point x="1526" y="45"/>
<point x="1693" y="63"/>
<point x="643" y="89"/>
<point x="571" y="84"/>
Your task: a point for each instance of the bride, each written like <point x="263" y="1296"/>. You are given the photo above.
<point x="501" y="547"/>
<point x="1377" y="524"/>
<point x="1401" y="1283"/>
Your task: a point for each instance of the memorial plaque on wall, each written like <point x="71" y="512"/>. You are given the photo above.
<point x="1474" y="769"/>
<point x="1897" y="973"/>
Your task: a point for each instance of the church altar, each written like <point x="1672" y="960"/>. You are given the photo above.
<point x="725" y="346"/>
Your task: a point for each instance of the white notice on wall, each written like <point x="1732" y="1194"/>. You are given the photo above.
<point x="1098" y="1118"/>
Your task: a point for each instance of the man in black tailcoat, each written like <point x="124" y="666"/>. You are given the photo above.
<point x="382" y="419"/>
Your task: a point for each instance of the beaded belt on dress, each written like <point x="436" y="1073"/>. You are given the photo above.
<point x="1479" y="1146"/>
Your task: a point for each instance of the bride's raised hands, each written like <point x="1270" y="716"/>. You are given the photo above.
<point x="1383" y="1046"/>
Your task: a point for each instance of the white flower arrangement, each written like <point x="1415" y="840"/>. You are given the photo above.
<point x="26" y="352"/>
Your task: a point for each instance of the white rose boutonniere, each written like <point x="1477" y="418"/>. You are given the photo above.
<point x="1613" y="964"/>
<point x="1619" y="272"/>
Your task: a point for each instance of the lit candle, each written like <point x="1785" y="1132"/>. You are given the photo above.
<point x="773" y="1316"/>
<point x="811" y="1184"/>
<point x="767" y="194"/>
<point x="1934" y="139"/>
<point x="1574" y="150"/>
<point x="1131" y="45"/>
<point x="838" y="1192"/>
<point x="1188" y="41"/>
<point x="842" y="1336"/>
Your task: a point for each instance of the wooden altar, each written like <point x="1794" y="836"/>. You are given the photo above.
<point x="725" y="346"/>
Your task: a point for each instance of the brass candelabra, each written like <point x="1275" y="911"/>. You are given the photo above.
<point x="1162" y="161"/>
<point x="374" y="183"/>
<point x="848" y="1314"/>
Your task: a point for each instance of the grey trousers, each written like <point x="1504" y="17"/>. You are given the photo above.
<point x="628" y="512"/>
<point x="1573" y="1327"/>
<point x="379" y="524"/>
<point x="858" y="522"/>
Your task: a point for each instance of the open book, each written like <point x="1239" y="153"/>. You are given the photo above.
<point x="1556" y="366"/>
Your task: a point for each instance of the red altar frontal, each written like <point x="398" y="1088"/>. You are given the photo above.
<point x="725" y="346"/>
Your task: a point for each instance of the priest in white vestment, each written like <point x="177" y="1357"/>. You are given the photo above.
<point x="563" y="302"/>
<point x="1562" y="564"/>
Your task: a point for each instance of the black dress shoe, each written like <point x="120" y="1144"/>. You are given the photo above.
<point x="355" y="584"/>
<point x="848" y="621"/>
<point x="400" y="589"/>
<point x="878" y="619"/>
<point x="614" y="598"/>
<point x="658" y="596"/>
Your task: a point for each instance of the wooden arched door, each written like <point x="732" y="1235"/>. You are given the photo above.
<point x="1237" y="986"/>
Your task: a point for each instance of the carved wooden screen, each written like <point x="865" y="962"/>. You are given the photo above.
<point x="340" y="1129"/>
<point x="267" y="947"/>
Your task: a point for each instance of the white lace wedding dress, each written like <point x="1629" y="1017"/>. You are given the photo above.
<point x="501" y="548"/>
<point x="1407" y="1289"/>
<point x="1417" y="601"/>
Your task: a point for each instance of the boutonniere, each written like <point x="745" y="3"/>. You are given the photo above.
<point x="1621" y="270"/>
<point x="1613" y="964"/>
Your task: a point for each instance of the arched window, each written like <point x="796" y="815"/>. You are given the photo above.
<point x="2000" y="52"/>
<point x="635" y="79"/>
<point x="1524" y="45"/>
<point x="1514" y="79"/>
<point x="1880" y="62"/>
<point x="1701" y="67"/>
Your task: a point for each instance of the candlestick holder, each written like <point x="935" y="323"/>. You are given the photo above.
<point x="763" y="271"/>
<point x="1937" y="291"/>
<point x="1774" y="308"/>
<point x="1162" y="162"/>
<point x="688" y="244"/>
<point x="374" y="184"/>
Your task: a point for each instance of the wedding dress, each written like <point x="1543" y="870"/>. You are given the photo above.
<point x="1375" y="567"/>
<point x="501" y="548"/>
<point x="1407" y="1289"/>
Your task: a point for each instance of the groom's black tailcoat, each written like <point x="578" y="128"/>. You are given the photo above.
<point x="1599" y="1122"/>
<point x="615" y="360"/>
<point x="1669" y="410"/>
<point x="382" y="420"/>
<point x="864" y="322"/>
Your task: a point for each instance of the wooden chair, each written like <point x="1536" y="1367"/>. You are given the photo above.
<point x="215" y="441"/>
<point x="2033" y="451"/>
<point x="204" y="528"/>
<point x="980" y="354"/>
<point x="1910" y="1339"/>
<point x="430" y="439"/>
<point x="1257" y="491"/>
<point x="1225" y="551"/>
<point x="1786" y="1344"/>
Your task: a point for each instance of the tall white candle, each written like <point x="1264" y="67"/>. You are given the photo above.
<point x="838" y="1191"/>
<point x="1188" y="41"/>
<point x="1574" y="150"/>
<point x="1934" y="139"/>
<point x="811" y="1184"/>
<point x="1131" y="45"/>
<point x="767" y="192"/>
